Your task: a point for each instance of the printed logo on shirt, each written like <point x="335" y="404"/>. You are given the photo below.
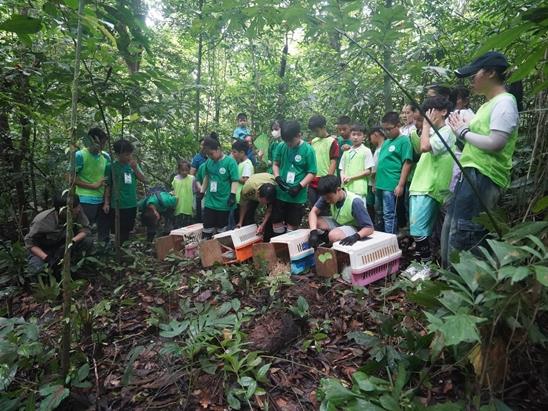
<point x="391" y="148"/>
<point x="222" y="170"/>
<point x="298" y="158"/>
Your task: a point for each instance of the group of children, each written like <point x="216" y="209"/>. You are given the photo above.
<point x="401" y="172"/>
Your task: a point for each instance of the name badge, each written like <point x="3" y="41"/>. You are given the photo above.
<point x="213" y="187"/>
<point x="290" y="179"/>
<point x="127" y="178"/>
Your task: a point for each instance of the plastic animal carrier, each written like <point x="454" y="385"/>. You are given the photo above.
<point x="190" y="233"/>
<point x="295" y="246"/>
<point x="371" y="259"/>
<point x="239" y="241"/>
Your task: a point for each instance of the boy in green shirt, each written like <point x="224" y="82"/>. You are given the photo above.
<point x="343" y="128"/>
<point x="245" y="170"/>
<point x="394" y="164"/>
<point x="122" y="189"/>
<point x="356" y="164"/>
<point x="326" y="149"/>
<point x="220" y="183"/>
<point x="430" y="185"/>
<point x="153" y="208"/>
<point x="294" y="169"/>
<point x="91" y="175"/>
<point x="349" y="220"/>
<point x="183" y="185"/>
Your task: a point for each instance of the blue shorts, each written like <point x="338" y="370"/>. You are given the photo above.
<point x="422" y="215"/>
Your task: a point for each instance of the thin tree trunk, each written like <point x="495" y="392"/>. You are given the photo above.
<point x="387" y="61"/>
<point x="31" y="170"/>
<point x="282" y="86"/>
<point x="199" y="72"/>
<point x="67" y="280"/>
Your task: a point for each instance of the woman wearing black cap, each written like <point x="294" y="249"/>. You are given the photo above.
<point x="490" y="139"/>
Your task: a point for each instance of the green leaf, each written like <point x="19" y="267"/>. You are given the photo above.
<point x="467" y="270"/>
<point x="261" y="374"/>
<point x="369" y="383"/>
<point x="505" y="253"/>
<point x="233" y="402"/>
<point x="365" y="338"/>
<point x="73" y="4"/>
<point x="541" y="273"/>
<point x="389" y="403"/>
<point x="20" y="24"/>
<point x="54" y="395"/>
<point x="456" y="328"/>
<point x="526" y="67"/>
<point x="251" y="388"/>
<point x="334" y="392"/>
<point x="128" y="372"/>
<point x="7" y="374"/>
<point x="501" y="40"/>
<point x="83" y="372"/>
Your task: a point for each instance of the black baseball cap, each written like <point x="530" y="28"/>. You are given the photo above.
<point x="490" y="59"/>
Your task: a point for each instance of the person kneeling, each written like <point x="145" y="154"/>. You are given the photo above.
<point x="349" y="220"/>
<point x="46" y="239"/>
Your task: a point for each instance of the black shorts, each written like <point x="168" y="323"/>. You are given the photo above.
<point x="289" y="213"/>
<point x="214" y="219"/>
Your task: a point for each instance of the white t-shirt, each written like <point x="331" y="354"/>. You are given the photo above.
<point x="376" y="159"/>
<point x="407" y="129"/>
<point x="504" y="116"/>
<point x="368" y="163"/>
<point x="248" y="169"/>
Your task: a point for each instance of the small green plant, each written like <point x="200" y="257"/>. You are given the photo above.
<point x="300" y="310"/>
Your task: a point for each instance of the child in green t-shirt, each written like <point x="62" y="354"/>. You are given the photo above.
<point x="155" y="206"/>
<point x="326" y="149"/>
<point x="122" y="188"/>
<point x="294" y="168"/>
<point x="343" y="124"/>
<point x="430" y="185"/>
<point x="220" y="183"/>
<point x="395" y="157"/>
<point x="357" y="163"/>
<point x="245" y="170"/>
<point x="183" y="185"/>
<point x="274" y="142"/>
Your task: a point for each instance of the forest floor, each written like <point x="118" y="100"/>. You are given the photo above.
<point x="170" y="335"/>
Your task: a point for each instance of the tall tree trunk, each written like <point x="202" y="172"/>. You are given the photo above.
<point x="387" y="61"/>
<point x="282" y="86"/>
<point x="67" y="280"/>
<point x="199" y="71"/>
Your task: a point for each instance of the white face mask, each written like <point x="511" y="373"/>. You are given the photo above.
<point x="276" y="133"/>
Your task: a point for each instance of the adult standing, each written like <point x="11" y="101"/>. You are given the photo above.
<point x="490" y="140"/>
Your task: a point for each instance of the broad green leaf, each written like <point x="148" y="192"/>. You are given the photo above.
<point x="369" y="383"/>
<point x="541" y="273"/>
<point x="73" y="4"/>
<point x="468" y="270"/>
<point x="325" y="257"/>
<point x="54" y="395"/>
<point x="366" y="338"/>
<point x="389" y="403"/>
<point x="455" y="328"/>
<point x="501" y="40"/>
<point x="505" y="253"/>
<point x="7" y="374"/>
<point x="334" y="392"/>
<point x="526" y="67"/>
<point x="20" y="24"/>
<point x="515" y="273"/>
<point x="261" y="374"/>
<point x="233" y="402"/>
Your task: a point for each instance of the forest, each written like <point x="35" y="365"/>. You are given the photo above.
<point x="133" y="325"/>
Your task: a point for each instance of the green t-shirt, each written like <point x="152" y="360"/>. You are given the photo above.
<point x="295" y="163"/>
<point x="220" y="174"/>
<point x="182" y="188"/>
<point x="166" y="201"/>
<point x="394" y="153"/>
<point x="126" y="185"/>
<point x="435" y="168"/>
<point x="273" y="146"/>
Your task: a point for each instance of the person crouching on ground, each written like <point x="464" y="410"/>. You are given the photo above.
<point x="349" y="221"/>
<point x="46" y="239"/>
